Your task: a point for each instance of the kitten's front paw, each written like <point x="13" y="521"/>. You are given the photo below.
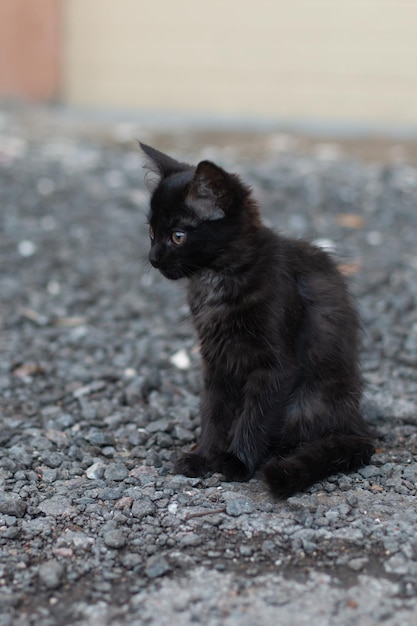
<point x="192" y="465"/>
<point x="232" y="468"/>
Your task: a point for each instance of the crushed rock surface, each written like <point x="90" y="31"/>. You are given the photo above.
<point x="99" y="387"/>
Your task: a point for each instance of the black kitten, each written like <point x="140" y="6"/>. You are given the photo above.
<point x="278" y="332"/>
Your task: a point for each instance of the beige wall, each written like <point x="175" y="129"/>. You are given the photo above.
<point x="320" y="59"/>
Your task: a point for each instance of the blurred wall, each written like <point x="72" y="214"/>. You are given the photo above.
<point x="29" y="48"/>
<point x="320" y="59"/>
<point x="349" y="60"/>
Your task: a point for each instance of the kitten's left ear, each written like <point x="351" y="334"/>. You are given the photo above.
<point x="209" y="192"/>
<point x="162" y="164"/>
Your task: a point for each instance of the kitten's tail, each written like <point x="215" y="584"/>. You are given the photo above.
<point x="315" y="460"/>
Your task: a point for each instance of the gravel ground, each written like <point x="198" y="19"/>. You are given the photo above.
<point x="99" y="383"/>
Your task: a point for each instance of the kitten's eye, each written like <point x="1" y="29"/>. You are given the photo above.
<point x="151" y="233"/>
<point x="178" y="237"/>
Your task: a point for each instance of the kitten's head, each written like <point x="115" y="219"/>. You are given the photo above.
<point x="199" y="216"/>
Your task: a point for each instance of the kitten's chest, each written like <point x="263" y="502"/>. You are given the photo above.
<point x="208" y="289"/>
<point x="230" y="339"/>
<point x="208" y="301"/>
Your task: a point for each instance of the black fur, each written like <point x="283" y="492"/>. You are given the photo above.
<point x="279" y="335"/>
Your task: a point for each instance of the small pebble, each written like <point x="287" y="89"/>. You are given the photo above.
<point x="357" y="565"/>
<point x="181" y="360"/>
<point x="156" y="566"/>
<point x="116" y="472"/>
<point x="26" y="248"/>
<point x="12" y="504"/>
<point x="51" y="574"/>
<point x="114" y="539"/>
<point x="95" y="471"/>
<point x="239" y="506"/>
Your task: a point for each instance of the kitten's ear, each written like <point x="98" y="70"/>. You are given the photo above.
<point x="209" y="192"/>
<point x="162" y="164"/>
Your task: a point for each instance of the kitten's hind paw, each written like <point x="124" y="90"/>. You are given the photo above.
<point x="191" y="464"/>
<point x="285" y="477"/>
<point x="232" y="468"/>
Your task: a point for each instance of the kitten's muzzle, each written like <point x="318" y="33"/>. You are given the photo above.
<point x="158" y="261"/>
<point x="154" y="257"/>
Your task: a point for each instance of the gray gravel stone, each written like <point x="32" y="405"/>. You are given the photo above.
<point x="160" y="425"/>
<point x="56" y="506"/>
<point x="114" y="539"/>
<point x="12" y="504"/>
<point x="116" y="471"/>
<point x="143" y="507"/>
<point x="99" y="438"/>
<point x="410" y="473"/>
<point x="370" y="471"/>
<point x="238" y="505"/>
<point x="191" y="540"/>
<point x="183" y="434"/>
<point x="111" y="493"/>
<point x="358" y="564"/>
<point x="156" y="566"/>
<point x="95" y="471"/>
<point x="54" y="459"/>
<point x="76" y="539"/>
<point x="51" y="574"/>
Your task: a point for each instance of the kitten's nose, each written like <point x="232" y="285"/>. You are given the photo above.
<point x="154" y="257"/>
